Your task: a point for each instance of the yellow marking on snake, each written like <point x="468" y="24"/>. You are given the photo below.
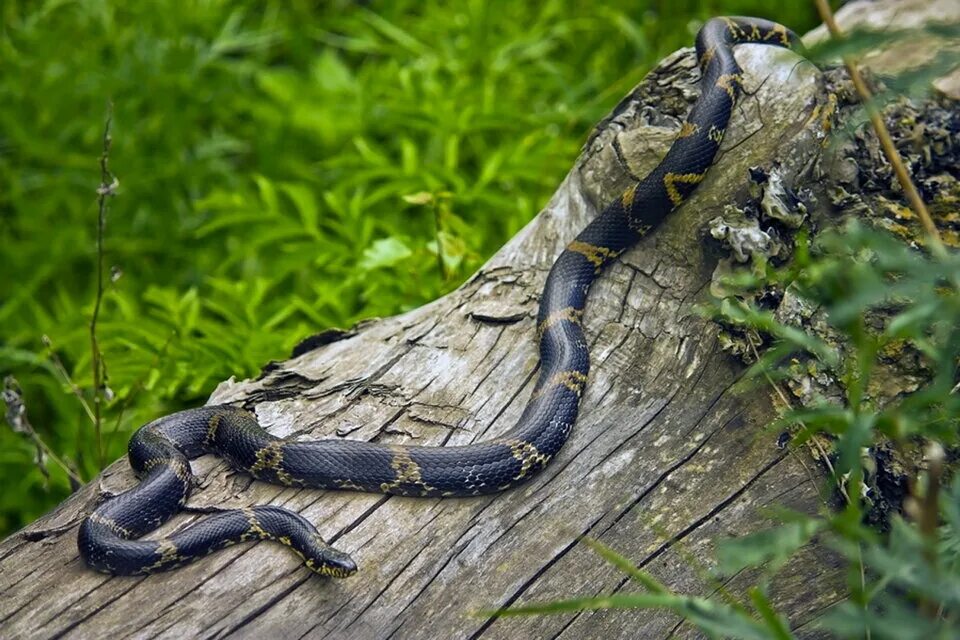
<point x="627" y="198"/>
<point x="707" y="56"/>
<point x="270" y="458"/>
<point x="595" y="254"/>
<point x="570" y="314"/>
<point x="573" y="380"/>
<point x="688" y="129"/>
<point x="639" y="227"/>
<point x="408" y="472"/>
<point x="348" y="484"/>
<point x="528" y="455"/>
<point x="779" y="31"/>
<point x="256" y="530"/>
<point x="169" y="554"/>
<point x="153" y="462"/>
<point x="212" y="425"/>
<point x="733" y="27"/>
<point x="726" y="82"/>
<point x="671" y="180"/>
<point x="111" y="524"/>
<point x="180" y="469"/>
<point x="287" y="480"/>
<point x="716" y="133"/>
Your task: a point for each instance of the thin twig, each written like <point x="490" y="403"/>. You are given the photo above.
<point x="16" y="415"/>
<point x="889" y="149"/>
<point x="107" y="188"/>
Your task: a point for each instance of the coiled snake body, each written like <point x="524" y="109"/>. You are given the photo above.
<point x="160" y="451"/>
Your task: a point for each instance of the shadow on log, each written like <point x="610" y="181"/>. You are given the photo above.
<point x="665" y="459"/>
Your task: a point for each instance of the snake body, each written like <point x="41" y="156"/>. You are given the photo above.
<point x="160" y="451"/>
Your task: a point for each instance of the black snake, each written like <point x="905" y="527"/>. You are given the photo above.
<point x="160" y="451"/>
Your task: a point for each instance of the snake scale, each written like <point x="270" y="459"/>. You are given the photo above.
<point x="160" y="451"/>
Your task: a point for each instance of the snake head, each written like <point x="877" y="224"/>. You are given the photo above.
<point x="324" y="560"/>
<point x="333" y="563"/>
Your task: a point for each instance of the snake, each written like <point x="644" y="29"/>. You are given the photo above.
<point x="109" y="538"/>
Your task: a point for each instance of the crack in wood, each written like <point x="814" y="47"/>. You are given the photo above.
<point x="536" y="576"/>
<point x="696" y="524"/>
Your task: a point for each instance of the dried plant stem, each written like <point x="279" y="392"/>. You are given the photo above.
<point x="107" y="188"/>
<point x="893" y="156"/>
<point x="57" y="460"/>
<point x="16" y="416"/>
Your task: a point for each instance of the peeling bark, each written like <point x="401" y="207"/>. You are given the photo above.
<point x="666" y="458"/>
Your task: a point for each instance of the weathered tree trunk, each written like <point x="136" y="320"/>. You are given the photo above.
<point x="665" y="459"/>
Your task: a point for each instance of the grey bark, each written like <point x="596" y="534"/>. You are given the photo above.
<point x="666" y="459"/>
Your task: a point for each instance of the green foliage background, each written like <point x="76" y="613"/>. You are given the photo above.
<point x="284" y="167"/>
